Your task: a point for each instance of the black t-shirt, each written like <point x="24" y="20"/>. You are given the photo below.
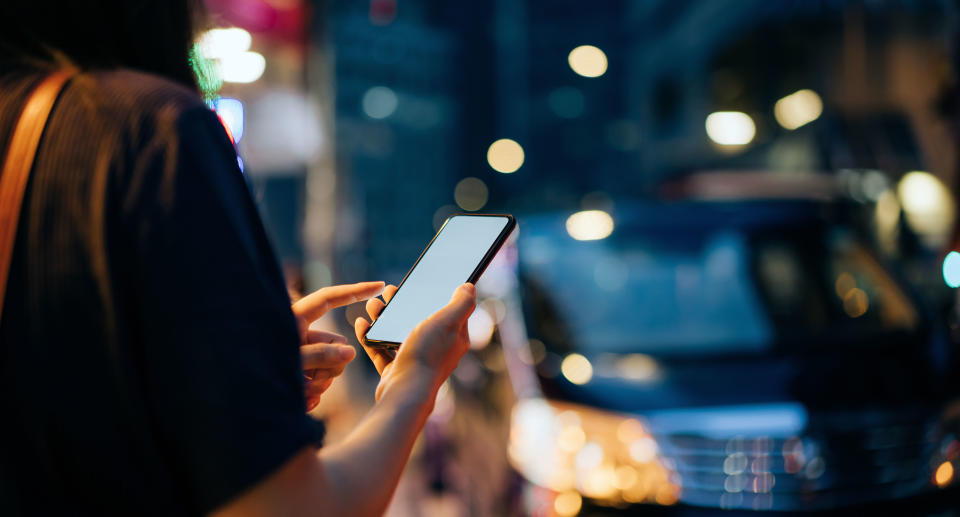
<point x="149" y="359"/>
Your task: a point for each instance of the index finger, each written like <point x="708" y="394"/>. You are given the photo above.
<point x="317" y="303"/>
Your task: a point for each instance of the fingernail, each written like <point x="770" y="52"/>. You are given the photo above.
<point x="469" y="289"/>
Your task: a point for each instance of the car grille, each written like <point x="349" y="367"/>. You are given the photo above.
<point x="832" y="464"/>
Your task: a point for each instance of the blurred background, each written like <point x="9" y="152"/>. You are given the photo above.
<point x="733" y="284"/>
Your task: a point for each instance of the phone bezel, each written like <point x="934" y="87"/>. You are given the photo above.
<point x="477" y="272"/>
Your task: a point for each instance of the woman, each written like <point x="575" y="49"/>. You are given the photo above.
<point x="150" y="359"/>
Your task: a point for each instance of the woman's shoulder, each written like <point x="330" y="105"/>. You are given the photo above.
<point x="155" y="129"/>
<point x="139" y="92"/>
<point x="146" y="114"/>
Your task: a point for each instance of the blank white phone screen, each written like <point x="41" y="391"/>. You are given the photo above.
<point x="455" y="253"/>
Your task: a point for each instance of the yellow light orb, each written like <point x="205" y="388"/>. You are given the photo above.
<point x="471" y="194"/>
<point x="944" y="474"/>
<point x="845" y="282"/>
<point x="588" y="61"/>
<point x="730" y="128"/>
<point x="567" y="504"/>
<point x="630" y="430"/>
<point x="920" y="192"/>
<point x="590" y="225"/>
<point x="505" y="156"/>
<point x="798" y="108"/>
<point x="577" y="369"/>
<point x="666" y="496"/>
<point x="928" y="205"/>
<point x="625" y="478"/>
<point x="571" y="439"/>
<point x="600" y="482"/>
<point x="562" y="479"/>
<point x="855" y="302"/>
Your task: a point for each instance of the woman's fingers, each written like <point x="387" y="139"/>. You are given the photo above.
<point x="322" y="336"/>
<point x="318" y="303"/>
<point x="323" y="386"/>
<point x="326" y="355"/>
<point x="461" y="306"/>
<point x="374" y="307"/>
<point x="360" y="328"/>
<point x="314" y="389"/>
<point x="380" y="358"/>
<point x="323" y="374"/>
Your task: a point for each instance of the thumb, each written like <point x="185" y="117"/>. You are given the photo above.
<point x="461" y="305"/>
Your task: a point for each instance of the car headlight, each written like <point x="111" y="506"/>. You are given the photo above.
<point x="576" y="450"/>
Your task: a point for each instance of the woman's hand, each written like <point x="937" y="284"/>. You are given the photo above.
<point x="432" y="350"/>
<point x="325" y="354"/>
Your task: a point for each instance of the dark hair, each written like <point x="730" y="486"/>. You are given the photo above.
<point x="148" y="35"/>
<point x="153" y="36"/>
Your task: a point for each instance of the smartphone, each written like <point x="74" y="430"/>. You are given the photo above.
<point x="459" y="252"/>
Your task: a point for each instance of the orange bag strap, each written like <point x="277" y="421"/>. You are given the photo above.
<point x="19" y="163"/>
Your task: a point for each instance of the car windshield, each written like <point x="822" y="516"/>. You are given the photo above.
<point x="707" y="289"/>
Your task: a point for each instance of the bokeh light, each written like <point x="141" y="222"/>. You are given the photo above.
<point x="730" y="128"/>
<point x="917" y="189"/>
<point x="230" y="112"/>
<point x="480" y="327"/>
<point x="590" y="225"/>
<point x="951" y="269"/>
<point x="230" y="50"/>
<point x="643" y="450"/>
<point x="505" y="156"/>
<point x="887" y="215"/>
<point x="625" y="477"/>
<point x="577" y="369"/>
<point x="283" y="129"/>
<point x="471" y="194"/>
<point x="244" y="67"/>
<point x="567" y="504"/>
<point x="855" y="302"/>
<point x="588" y="61"/>
<point x="534" y="352"/>
<point x="944" y="474"/>
<point x="798" y="109"/>
<point x="589" y="457"/>
<point x="927" y="205"/>
<point x="638" y="367"/>
<point x="600" y="482"/>
<point x="630" y="430"/>
<point x="379" y="102"/>
<point x="845" y="282"/>
<point x="224" y="42"/>
<point x="571" y="439"/>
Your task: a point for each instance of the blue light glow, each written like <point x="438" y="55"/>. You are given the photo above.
<point x="778" y="420"/>
<point x="951" y="269"/>
<point x="231" y="112"/>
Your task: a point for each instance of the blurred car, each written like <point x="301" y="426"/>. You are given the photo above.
<point x="749" y="354"/>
